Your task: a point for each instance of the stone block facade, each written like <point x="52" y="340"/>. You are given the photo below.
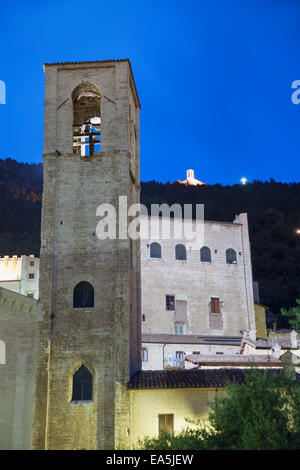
<point x="106" y="337"/>
<point x="196" y="283"/>
<point x="17" y="337"/>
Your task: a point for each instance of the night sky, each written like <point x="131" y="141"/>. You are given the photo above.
<point x="214" y="79"/>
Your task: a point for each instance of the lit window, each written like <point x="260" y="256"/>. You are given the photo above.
<point x="170" y="302"/>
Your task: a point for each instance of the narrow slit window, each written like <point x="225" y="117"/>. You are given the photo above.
<point x="144" y="355"/>
<point x="170" y="302"/>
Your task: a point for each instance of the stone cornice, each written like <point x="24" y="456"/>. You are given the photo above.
<point x="17" y="302"/>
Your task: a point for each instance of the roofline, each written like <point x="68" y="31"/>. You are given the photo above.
<point x="176" y="388"/>
<point x="261" y="305"/>
<point x="55" y="64"/>
<point x="149" y="216"/>
<point x="11" y="293"/>
<point x="182" y="339"/>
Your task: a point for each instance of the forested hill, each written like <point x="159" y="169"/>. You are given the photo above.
<point x="273" y="210"/>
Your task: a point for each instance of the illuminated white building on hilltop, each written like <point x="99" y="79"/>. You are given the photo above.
<point x="191" y="180"/>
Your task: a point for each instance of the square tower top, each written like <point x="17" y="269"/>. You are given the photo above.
<point x="80" y="98"/>
<point x="89" y="63"/>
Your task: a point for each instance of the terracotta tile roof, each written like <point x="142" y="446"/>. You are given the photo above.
<point x="191" y="339"/>
<point x="233" y="359"/>
<point x="284" y="343"/>
<point x="193" y="378"/>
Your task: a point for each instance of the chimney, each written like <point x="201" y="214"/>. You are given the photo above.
<point x="276" y="351"/>
<point x="293" y="339"/>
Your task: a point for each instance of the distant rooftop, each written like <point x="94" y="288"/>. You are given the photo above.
<point x="231" y="359"/>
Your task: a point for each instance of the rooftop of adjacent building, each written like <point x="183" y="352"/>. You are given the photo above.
<point x="11" y="267"/>
<point x="192" y="378"/>
<point x="233" y="359"/>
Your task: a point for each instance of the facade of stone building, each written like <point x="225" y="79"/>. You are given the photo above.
<point x="18" y="322"/>
<point x="202" y="291"/>
<point x="20" y="274"/>
<point x="101" y="334"/>
<point x="70" y="363"/>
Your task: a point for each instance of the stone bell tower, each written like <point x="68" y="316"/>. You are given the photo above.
<point x="89" y="311"/>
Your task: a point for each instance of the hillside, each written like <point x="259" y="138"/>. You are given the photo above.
<point x="273" y="210"/>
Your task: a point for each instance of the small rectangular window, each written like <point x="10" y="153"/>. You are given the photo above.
<point x="215" y="305"/>
<point x="215" y="316"/>
<point x="31" y="263"/>
<point x="166" y="423"/>
<point x="170" y="302"/>
<point x="144" y="355"/>
<point x="179" y="329"/>
<point x="179" y="358"/>
<point x="143" y="317"/>
<point x="31" y="276"/>
<point x="30" y="295"/>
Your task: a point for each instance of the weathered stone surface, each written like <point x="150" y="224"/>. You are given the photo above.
<point x="107" y="336"/>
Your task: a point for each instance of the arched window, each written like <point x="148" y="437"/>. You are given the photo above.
<point x="82" y="385"/>
<point x="205" y="254"/>
<point x="2" y="353"/>
<point x="83" y="295"/>
<point x="155" y="250"/>
<point x="180" y="252"/>
<point x="230" y="256"/>
<point x="86" y="119"/>
<point x="144" y="355"/>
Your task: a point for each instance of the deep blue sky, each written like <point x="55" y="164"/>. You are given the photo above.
<point x="214" y="79"/>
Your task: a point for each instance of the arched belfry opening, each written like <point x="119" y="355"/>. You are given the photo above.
<point x="86" y="119"/>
